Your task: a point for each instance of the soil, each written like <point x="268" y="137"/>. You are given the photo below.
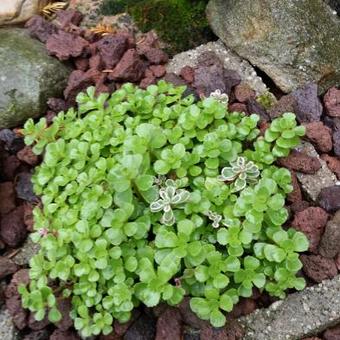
<point x="108" y="61"/>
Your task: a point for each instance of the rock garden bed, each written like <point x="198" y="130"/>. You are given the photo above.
<point x="107" y="60"/>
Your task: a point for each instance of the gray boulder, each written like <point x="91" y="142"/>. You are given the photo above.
<point x="18" y="11"/>
<point x="28" y="77"/>
<point x="292" y="41"/>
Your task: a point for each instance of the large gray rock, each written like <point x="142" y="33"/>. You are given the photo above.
<point x="7" y="329"/>
<point x="300" y="315"/>
<point x="229" y="59"/>
<point x="292" y="41"/>
<point x="18" y="11"/>
<point x="28" y="77"/>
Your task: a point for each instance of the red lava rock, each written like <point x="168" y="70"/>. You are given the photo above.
<point x="121" y="328"/>
<point x="64" y="335"/>
<point x="295" y="195"/>
<point x="156" y="56"/>
<point x="174" y="79"/>
<point x="147" y="81"/>
<point x="69" y="17"/>
<point x="332" y="102"/>
<point x="329" y="198"/>
<point x="142" y="328"/>
<point x="40" y="28"/>
<point x="37" y="335"/>
<point x="330" y="241"/>
<point x="243" y="307"/>
<point x="147" y="41"/>
<point x="169" y="325"/>
<point x="111" y="49"/>
<point x="50" y="116"/>
<point x="332" y="333"/>
<point x="243" y="92"/>
<point x="24" y="187"/>
<point x="57" y="104"/>
<point x="209" y="58"/>
<point x="337" y="262"/>
<point x="263" y="126"/>
<point x="37" y="325"/>
<point x="332" y="122"/>
<point x="130" y="68"/>
<point x="111" y="336"/>
<point x="320" y="135"/>
<point x="12" y="228"/>
<point x="9" y="167"/>
<point x="311" y="222"/>
<point x="299" y="161"/>
<point x="7" y="267"/>
<point x="284" y="104"/>
<point x="19" y="315"/>
<point x="148" y="73"/>
<point x="96" y="62"/>
<point x="238" y="107"/>
<point x="189" y="317"/>
<point x="81" y="63"/>
<point x="12" y="141"/>
<point x="231" y="331"/>
<point x="157" y="70"/>
<point x="20" y="277"/>
<point x="64" y="45"/>
<point x="336" y="142"/>
<point x="7" y="197"/>
<point x="231" y="79"/>
<point x="207" y="79"/>
<point x="318" y="268"/>
<point x="308" y="107"/>
<point x="333" y="164"/>
<point x="26" y="155"/>
<point x="298" y="206"/>
<point x="254" y="107"/>
<point x="79" y="81"/>
<point x="64" y="307"/>
<point x="188" y="74"/>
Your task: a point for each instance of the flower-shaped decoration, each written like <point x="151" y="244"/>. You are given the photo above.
<point x="240" y="172"/>
<point x="169" y="196"/>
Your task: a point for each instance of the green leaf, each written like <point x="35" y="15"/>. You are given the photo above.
<point x="300" y="242"/>
<point x="217" y="319"/>
<point x="144" y="182"/>
<point x="54" y="315"/>
<point x="185" y="227"/>
<point x="274" y="253"/>
<point x="202" y="273"/>
<point x="232" y="264"/>
<point x="226" y="303"/>
<point x="220" y="281"/>
<point x="200" y="306"/>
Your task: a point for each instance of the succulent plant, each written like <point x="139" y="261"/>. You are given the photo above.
<point x="169" y="196"/>
<point x="240" y="173"/>
<point x="220" y="96"/>
<point x="215" y="218"/>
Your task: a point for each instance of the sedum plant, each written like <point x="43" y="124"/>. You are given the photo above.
<point x="148" y="196"/>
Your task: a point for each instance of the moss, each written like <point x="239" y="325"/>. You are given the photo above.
<point x="181" y="24"/>
<point x="267" y="100"/>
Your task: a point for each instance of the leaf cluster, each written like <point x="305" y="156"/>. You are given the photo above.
<point x="139" y="205"/>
